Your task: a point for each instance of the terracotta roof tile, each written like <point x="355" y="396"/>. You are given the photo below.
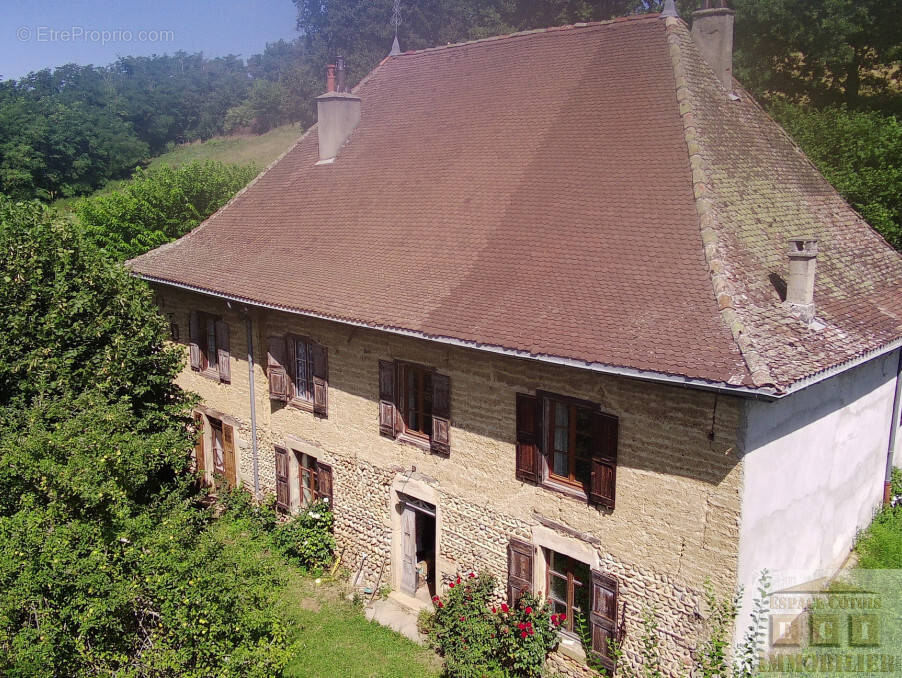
<point x="534" y="192"/>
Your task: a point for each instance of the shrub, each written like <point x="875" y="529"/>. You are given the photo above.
<point x="306" y="539"/>
<point x="479" y="638"/>
<point x="880" y="545"/>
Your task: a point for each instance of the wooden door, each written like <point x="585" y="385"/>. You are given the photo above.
<point x="228" y="452"/>
<point x="409" y="551"/>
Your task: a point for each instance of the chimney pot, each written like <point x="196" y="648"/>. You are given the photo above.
<point x="712" y="31"/>
<point x="802" y="265"/>
<point x="330" y="78"/>
<point x="341" y="73"/>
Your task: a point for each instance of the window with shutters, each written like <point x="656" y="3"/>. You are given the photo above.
<point x="307" y="480"/>
<point x="567" y="444"/>
<point x="298" y="373"/>
<point x="415" y="405"/>
<point x="209" y="346"/>
<point x="569" y="587"/>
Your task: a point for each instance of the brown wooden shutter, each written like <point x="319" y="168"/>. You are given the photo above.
<point x="324" y="482"/>
<point x="440" y="441"/>
<point x="222" y="352"/>
<point x="604" y="460"/>
<point x="528" y="436"/>
<point x="275" y="369"/>
<point x="519" y="569"/>
<point x="387" y="414"/>
<point x="283" y="489"/>
<point x="199" y="460"/>
<point x="194" y="340"/>
<point x="603" y="617"/>
<point x="320" y="379"/>
<point x="228" y="453"/>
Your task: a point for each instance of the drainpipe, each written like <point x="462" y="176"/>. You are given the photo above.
<point x="248" y="323"/>
<point x="893" y="428"/>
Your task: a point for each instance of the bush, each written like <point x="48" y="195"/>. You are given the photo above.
<point x="479" y="638"/>
<point x="306" y="539"/>
<point x="880" y="546"/>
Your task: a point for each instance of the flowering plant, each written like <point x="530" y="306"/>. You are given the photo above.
<point x="479" y="637"/>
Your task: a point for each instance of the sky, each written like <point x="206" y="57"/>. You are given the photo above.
<point x="37" y="34"/>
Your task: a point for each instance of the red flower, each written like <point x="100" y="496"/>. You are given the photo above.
<point x="528" y="610"/>
<point x="494" y="610"/>
<point x="563" y="617"/>
<point x="458" y="580"/>
<point x="523" y="634"/>
<point x="434" y="599"/>
<point x="531" y="632"/>
<point x="554" y="619"/>
<point x="441" y="604"/>
<point x="472" y="575"/>
<point x="463" y="619"/>
<point x="451" y="585"/>
<point x="521" y="626"/>
<point x="504" y="607"/>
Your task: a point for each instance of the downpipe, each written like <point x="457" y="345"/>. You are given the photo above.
<point x="893" y="432"/>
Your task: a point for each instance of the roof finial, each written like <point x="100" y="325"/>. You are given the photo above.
<point x="670" y="10"/>
<point x="396" y="21"/>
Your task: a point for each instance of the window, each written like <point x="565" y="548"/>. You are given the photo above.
<point x="209" y="346"/>
<point x="416" y="400"/>
<point x="569" y="587"/>
<point x="303" y="370"/>
<point x="298" y="373"/>
<point x="222" y="446"/>
<point x="568" y="445"/>
<point x="312" y="479"/>
<point x="415" y="405"/>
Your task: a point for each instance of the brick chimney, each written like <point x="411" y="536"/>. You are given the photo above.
<point x="712" y="31"/>
<point x="337" y="112"/>
<point x="800" y="284"/>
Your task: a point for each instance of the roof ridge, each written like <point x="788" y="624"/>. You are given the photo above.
<point x="702" y="188"/>
<point x="526" y="33"/>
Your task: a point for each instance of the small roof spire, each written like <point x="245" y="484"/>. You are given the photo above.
<point x="670" y="10"/>
<point x="395" y="47"/>
<point x="396" y="21"/>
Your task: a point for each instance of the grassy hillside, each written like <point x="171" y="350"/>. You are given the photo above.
<point x="260" y="150"/>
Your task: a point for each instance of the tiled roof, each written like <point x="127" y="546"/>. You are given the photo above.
<point x="534" y="192"/>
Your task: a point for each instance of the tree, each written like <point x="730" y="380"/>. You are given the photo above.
<point x="159" y="205"/>
<point x="107" y="564"/>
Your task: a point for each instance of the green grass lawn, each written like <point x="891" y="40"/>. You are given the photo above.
<point x="880" y="546"/>
<point x="336" y="640"/>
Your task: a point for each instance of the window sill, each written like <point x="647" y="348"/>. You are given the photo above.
<point x="415" y="441"/>
<point x="301" y="405"/>
<point x="566" y="490"/>
<point x="570" y="646"/>
<point x="213" y="375"/>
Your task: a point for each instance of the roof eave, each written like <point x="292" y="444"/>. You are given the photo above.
<point x="763" y="393"/>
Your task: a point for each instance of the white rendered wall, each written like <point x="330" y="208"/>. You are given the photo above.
<point x="813" y="472"/>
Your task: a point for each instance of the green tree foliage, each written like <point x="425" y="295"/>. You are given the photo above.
<point x="266" y="107"/>
<point x="820" y="51"/>
<point x="159" y="205"/>
<point x="860" y="153"/>
<point x="107" y="567"/>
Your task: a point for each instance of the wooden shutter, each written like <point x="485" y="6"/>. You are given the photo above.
<point x="275" y="369"/>
<point x="283" y="489"/>
<point x="519" y="569"/>
<point x="324" y="482"/>
<point x="194" y="340"/>
<point x="440" y="441"/>
<point x="320" y="379"/>
<point x="604" y="460"/>
<point x="222" y="351"/>
<point x="199" y="460"/>
<point x="387" y="414"/>
<point x="603" y="617"/>
<point x="228" y="453"/>
<point x="528" y="438"/>
<point x="290" y="364"/>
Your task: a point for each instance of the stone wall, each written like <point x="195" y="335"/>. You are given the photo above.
<point x="678" y="478"/>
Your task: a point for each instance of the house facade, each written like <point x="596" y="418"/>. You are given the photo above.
<point x="536" y="305"/>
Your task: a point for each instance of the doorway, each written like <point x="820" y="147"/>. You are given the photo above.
<point x="418" y="547"/>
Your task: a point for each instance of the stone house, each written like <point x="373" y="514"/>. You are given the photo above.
<point x="564" y="305"/>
